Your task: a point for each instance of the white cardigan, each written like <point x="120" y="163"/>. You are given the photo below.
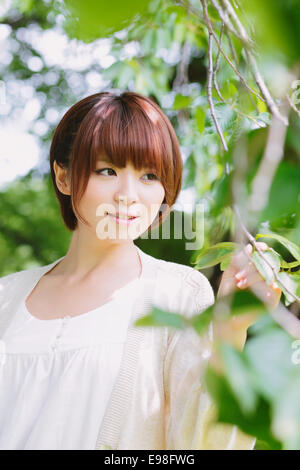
<point x="158" y="400"/>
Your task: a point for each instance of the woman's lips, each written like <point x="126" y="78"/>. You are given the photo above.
<point x="125" y="221"/>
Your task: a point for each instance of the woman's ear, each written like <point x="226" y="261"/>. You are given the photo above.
<point x="62" y="179"/>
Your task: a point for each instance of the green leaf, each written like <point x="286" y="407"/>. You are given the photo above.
<point x="148" y="41"/>
<point x="126" y="75"/>
<point x="229" y="411"/>
<point x="189" y="171"/>
<point x="105" y="447"/>
<point x="24" y="6"/>
<point x="228" y="90"/>
<point x="286" y="424"/>
<point x="225" y="115"/>
<point x="182" y="101"/>
<point x="264" y="117"/>
<point x="215" y="254"/>
<point x="179" y="32"/>
<point x="269" y="355"/>
<point x="262" y="266"/>
<point x="292" y="247"/>
<point x="284" y="264"/>
<point x="200" y="119"/>
<point x="222" y="191"/>
<point x="239" y="378"/>
<point x="291" y="284"/>
<point x="163" y="38"/>
<point x="201" y="321"/>
<point x="244" y="301"/>
<point x="93" y="19"/>
<point x="158" y="317"/>
<point x="225" y="263"/>
<point x="262" y="445"/>
<point x="261" y="106"/>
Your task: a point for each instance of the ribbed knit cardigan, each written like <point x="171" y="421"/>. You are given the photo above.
<point x="158" y="400"/>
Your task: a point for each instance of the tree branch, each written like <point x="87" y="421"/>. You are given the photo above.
<point x="257" y="76"/>
<point x="210" y="29"/>
<point x="294" y="108"/>
<point x="245" y="40"/>
<point x="209" y="92"/>
<point x="217" y="66"/>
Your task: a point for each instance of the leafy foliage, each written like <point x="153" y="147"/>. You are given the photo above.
<point x="261" y="396"/>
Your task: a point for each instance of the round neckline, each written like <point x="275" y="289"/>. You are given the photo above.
<point x="117" y="297"/>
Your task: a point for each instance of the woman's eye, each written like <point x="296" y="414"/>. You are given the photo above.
<point x="103" y="169"/>
<point x="152" y="174"/>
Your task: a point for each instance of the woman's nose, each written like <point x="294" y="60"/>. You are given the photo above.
<point x="126" y="200"/>
<point x="127" y="193"/>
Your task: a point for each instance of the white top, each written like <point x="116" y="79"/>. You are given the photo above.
<point x="59" y="374"/>
<point x="156" y="402"/>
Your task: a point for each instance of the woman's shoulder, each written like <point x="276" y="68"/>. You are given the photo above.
<point x="36" y="269"/>
<point x="12" y="277"/>
<point x="10" y="284"/>
<point x="20" y="274"/>
<point x="189" y="276"/>
<point x="187" y="289"/>
<point x="16" y="279"/>
<point x="13" y="280"/>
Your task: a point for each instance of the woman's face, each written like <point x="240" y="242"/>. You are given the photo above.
<point x="111" y="191"/>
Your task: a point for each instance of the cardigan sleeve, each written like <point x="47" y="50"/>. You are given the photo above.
<point x="190" y="412"/>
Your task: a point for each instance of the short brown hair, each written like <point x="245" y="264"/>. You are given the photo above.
<point x="126" y="127"/>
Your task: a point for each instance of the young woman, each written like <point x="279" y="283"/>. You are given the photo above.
<point x="76" y="373"/>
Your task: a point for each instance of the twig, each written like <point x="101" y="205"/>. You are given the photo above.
<point x="229" y="10"/>
<point x="235" y="109"/>
<point x="216" y="83"/>
<point x="264" y="90"/>
<point x="209" y="92"/>
<point x="246" y="41"/>
<point x="247" y="116"/>
<point x="292" y="104"/>
<point x="233" y="51"/>
<point x="217" y="66"/>
<point x="258" y="77"/>
<point x="254" y="243"/>
<point x="210" y="29"/>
